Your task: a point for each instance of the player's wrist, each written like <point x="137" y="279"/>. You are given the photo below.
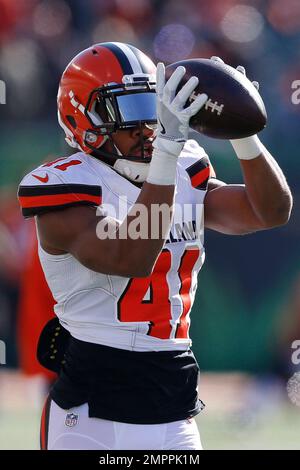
<point x="248" y="148"/>
<point x="162" y="170"/>
<point x="169" y="145"/>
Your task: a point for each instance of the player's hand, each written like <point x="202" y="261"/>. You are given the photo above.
<point x="173" y="123"/>
<point x="242" y="70"/>
<point x="249" y="147"/>
<point x="172" y="117"/>
<point x="239" y="68"/>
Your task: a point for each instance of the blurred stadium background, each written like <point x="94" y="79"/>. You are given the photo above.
<point x="247" y="310"/>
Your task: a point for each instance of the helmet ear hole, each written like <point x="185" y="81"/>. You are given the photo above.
<point x="72" y="121"/>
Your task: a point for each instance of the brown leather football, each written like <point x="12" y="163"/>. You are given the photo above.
<point x="234" y="108"/>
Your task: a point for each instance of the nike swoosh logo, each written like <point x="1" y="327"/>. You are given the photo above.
<point x="163" y="131"/>
<point x="42" y="179"/>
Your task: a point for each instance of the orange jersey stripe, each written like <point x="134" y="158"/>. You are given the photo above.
<point x="198" y="178"/>
<point x="57" y="200"/>
<point x="44" y="425"/>
<point x="43" y="430"/>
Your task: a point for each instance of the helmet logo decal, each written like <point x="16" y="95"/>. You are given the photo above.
<point x="75" y="103"/>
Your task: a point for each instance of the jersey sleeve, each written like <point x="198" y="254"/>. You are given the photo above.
<point x="197" y="165"/>
<point x="58" y="185"/>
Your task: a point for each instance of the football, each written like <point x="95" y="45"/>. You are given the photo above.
<point x="234" y="108"/>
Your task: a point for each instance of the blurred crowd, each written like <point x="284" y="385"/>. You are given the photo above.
<point x="39" y="37"/>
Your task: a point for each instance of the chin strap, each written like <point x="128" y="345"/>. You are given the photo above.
<point x="134" y="171"/>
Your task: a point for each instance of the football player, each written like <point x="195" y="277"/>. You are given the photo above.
<point x="129" y="378"/>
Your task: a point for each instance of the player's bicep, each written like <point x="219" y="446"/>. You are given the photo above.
<point x="227" y="209"/>
<point x="87" y="235"/>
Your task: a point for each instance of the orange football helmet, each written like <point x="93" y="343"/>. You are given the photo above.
<point x="106" y="87"/>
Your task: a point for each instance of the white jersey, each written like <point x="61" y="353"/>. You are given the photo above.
<point x="138" y="314"/>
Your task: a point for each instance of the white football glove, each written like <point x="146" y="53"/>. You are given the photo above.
<point x="249" y="147"/>
<point x="173" y="123"/>
<point x="172" y="117"/>
<point x="239" y="68"/>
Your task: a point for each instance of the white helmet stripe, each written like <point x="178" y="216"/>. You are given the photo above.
<point x="136" y="66"/>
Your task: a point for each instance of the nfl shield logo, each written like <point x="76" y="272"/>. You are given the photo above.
<point x="71" y="419"/>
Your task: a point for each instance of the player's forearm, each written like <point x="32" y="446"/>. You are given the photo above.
<point x="173" y="129"/>
<point x="267" y="190"/>
<point x="142" y="234"/>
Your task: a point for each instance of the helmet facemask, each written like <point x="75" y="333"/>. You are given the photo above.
<point x="121" y="107"/>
